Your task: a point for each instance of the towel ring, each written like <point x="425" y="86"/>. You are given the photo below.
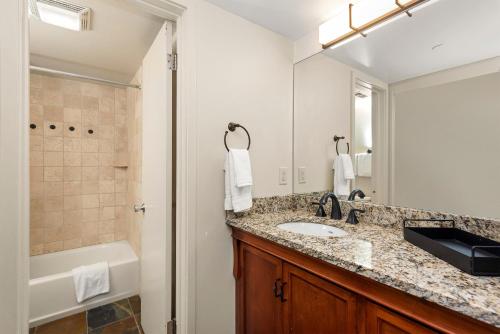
<point x="232" y="127"/>
<point x="337" y="139"/>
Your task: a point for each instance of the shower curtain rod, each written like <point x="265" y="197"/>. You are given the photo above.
<point x="80" y="76"/>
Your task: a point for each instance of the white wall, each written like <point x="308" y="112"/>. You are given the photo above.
<point x="235" y="71"/>
<point x="244" y="74"/>
<point x="306" y="46"/>
<point x="322" y="107"/>
<point x="446" y="141"/>
<point x="14" y="181"/>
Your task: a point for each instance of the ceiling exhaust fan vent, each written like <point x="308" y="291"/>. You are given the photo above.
<point x="62" y="13"/>
<point x="85" y="19"/>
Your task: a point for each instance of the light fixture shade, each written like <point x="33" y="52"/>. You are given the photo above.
<point x="367" y="11"/>
<point x="335" y="27"/>
<point x="62" y="14"/>
<point x="363" y="16"/>
<point x="362" y="12"/>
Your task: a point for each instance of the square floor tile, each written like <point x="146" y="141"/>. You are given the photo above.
<point x="107" y="314"/>
<point x="74" y="324"/>
<point x="126" y="326"/>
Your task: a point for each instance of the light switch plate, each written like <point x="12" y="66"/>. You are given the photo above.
<point x="302" y="175"/>
<point x="283" y="176"/>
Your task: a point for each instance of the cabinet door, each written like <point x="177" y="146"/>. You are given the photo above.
<point x="379" y="320"/>
<point x="314" y="305"/>
<point x="258" y="310"/>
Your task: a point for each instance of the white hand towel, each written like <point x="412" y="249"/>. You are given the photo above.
<point x="242" y="167"/>
<point x="364" y="164"/>
<point x="341" y="185"/>
<point x="238" y="169"/>
<point x="91" y="280"/>
<point x="347" y="164"/>
<point x="228" y="201"/>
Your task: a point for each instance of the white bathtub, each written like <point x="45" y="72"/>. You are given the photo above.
<point x="52" y="294"/>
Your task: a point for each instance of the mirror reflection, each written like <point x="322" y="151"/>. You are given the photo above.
<point x="422" y="132"/>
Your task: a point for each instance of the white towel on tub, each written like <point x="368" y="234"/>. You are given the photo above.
<point x="91" y="280"/>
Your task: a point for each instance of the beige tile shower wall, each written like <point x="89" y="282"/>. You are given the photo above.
<point x="134" y="220"/>
<point x="78" y="166"/>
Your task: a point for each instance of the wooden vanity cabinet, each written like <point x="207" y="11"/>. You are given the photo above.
<point x="281" y="291"/>
<point x="276" y="297"/>
<point x="258" y="309"/>
<point x="380" y="320"/>
<point x="314" y="305"/>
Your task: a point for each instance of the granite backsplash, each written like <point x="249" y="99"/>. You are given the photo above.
<point x="390" y="216"/>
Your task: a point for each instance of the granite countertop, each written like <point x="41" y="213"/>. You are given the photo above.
<point x="380" y="253"/>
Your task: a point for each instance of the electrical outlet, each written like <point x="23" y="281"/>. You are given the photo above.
<point x="302" y="175"/>
<point x="283" y="175"/>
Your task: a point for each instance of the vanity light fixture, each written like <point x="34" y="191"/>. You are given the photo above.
<point x="362" y="17"/>
<point x="61" y="13"/>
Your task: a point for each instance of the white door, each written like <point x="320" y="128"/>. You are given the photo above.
<point x="156" y="252"/>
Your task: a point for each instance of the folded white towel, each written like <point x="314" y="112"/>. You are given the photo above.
<point x="343" y="173"/>
<point x="228" y="202"/>
<point x="364" y="164"/>
<point x="91" y="280"/>
<point x="347" y="165"/>
<point x="242" y="167"/>
<point x="341" y="185"/>
<point x="238" y="181"/>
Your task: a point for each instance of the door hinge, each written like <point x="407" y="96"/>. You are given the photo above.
<point x="172" y="327"/>
<point x="172" y="61"/>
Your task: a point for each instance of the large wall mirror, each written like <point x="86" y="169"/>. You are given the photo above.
<point x="418" y="102"/>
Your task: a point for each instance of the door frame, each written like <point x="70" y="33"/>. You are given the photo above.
<point x="380" y="126"/>
<point x="15" y="193"/>
<point x="14" y="162"/>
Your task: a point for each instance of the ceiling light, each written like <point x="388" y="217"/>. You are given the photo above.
<point x="365" y="15"/>
<point x="62" y="14"/>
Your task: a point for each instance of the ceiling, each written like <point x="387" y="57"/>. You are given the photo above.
<point x="460" y="31"/>
<point x="114" y="48"/>
<point x="441" y="35"/>
<point x="290" y="18"/>
<point x="465" y="30"/>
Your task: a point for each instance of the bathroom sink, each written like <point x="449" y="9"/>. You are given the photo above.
<point x="318" y="230"/>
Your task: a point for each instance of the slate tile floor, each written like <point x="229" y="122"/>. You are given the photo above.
<point x="121" y="317"/>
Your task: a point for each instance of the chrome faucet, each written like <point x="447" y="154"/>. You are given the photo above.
<point x="336" y="210"/>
